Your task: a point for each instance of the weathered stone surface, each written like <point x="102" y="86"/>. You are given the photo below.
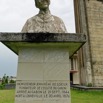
<point x="90" y="19"/>
<point x="84" y="58"/>
<point x="43" y="75"/>
<point x="42" y="37"/>
<point x="44" y="22"/>
<point x="58" y="40"/>
<point x="95" y="27"/>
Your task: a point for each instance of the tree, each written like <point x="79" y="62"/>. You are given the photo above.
<point x="5" y="79"/>
<point x="12" y="81"/>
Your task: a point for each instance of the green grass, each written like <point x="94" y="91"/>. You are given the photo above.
<point x="7" y="96"/>
<point x="87" y="96"/>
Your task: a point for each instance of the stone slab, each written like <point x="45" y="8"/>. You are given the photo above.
<point x="42" y="37"/>
<point x="58" y="40"/>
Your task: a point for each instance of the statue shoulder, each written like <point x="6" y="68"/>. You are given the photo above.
<point x="58" y="19"/>
<point x="28" y="23"/>
<point x="32" y="18"/>
<point x="60" y="23"/>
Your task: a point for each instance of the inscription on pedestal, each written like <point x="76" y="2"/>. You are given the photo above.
<point x="38" y="90"/>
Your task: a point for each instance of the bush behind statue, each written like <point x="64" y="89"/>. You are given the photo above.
<point x="2" y="86"/>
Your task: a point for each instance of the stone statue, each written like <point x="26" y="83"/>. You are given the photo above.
<point x="44" y="22"/>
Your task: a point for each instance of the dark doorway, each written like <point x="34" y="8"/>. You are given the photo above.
<point x="71" y="78"/>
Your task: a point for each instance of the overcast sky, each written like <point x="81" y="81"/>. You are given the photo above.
<point x="13" y="15"/>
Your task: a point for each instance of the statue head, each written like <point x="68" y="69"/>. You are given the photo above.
<point x="42" y="4"/>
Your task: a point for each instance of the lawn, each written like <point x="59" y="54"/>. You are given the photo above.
<point x="7" y="96"/>
<point x="87" y="96"/>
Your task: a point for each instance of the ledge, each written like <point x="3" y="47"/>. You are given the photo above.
<point x="80" y="87"/>
<point x="70" y="41"/>
<point x="73" y="71"/>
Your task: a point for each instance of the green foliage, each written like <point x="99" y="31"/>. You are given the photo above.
<point x="89" y="85"/>
<point x="5" y="79"/>
<point x="12" y="81"/>
<point x="2" y="86"/>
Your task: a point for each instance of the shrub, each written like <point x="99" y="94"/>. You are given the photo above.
<point x="2" y="86"/>
<point x="89" y="85"/>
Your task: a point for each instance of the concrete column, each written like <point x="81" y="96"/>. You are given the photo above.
<point x="43" y="75"/>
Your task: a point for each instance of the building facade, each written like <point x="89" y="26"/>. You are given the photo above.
<point x="89" y="20"/>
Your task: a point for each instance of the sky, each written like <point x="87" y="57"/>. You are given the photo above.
<point x="13" y="15"/>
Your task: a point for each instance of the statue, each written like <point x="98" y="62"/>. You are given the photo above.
<point x="44" y="22"/>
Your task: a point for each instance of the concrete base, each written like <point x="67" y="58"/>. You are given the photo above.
<point x="43" y="76"/>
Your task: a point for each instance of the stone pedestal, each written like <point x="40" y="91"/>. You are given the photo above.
<point x="43" y="66"/>
<point x="43" y="75"/>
